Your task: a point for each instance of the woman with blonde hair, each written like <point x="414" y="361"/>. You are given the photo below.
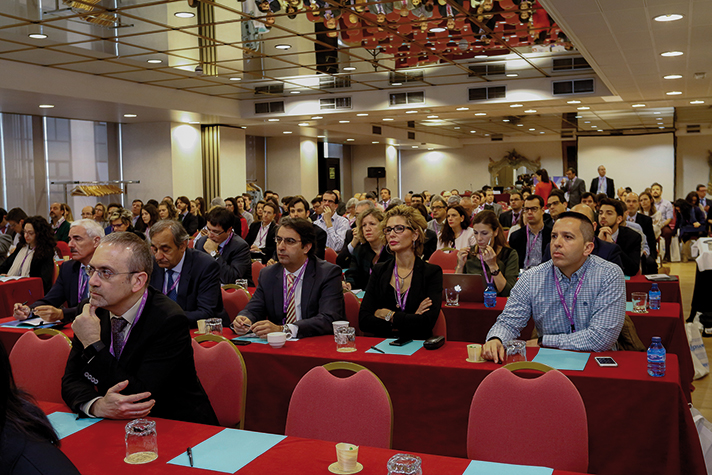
<point x="370" y="250"/>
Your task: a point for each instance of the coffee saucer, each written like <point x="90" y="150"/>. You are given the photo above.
<point x="474" y="361"/>
<point x="334" y="468"/>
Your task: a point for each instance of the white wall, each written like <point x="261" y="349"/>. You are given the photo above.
<point x="283" y="165"/>
<point x="233" y="168"/>
<point x="693" y="168"/>
<point x="365" y="156"/>
<point x="147" y="157"/>
<point x="186" y="161"/>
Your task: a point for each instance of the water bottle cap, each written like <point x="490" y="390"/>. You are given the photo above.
<point x="656" y="339"/>
<point x="655" y="286"/>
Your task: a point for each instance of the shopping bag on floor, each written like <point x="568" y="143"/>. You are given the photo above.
<point x="699" y="353"/>
<point x="704" y="430"/>
<point x="675" y="249"/>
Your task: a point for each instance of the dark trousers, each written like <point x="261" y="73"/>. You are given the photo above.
<point x="667" y="233"/>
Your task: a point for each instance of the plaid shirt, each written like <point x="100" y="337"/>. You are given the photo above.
<point x="598" y="316"/>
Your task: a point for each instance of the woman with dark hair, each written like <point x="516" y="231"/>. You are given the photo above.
<point x="34" y="254"/>
<point x="28" y="443"/>
<point x="647" y="207"/>
<point x="491" y="257"/>
<point x="239" y="226"/>
<point x="404" y="294"/>
<point x="456" y="232"/>
<point x="149" y="217"/>
<point x="690" y="219"/>
<point x="544" y="185"/>
<point x="242" y="209"/>
<point x="368" y="252"/>
<point x="100" y="215"/>
<point x="167" y="210"/>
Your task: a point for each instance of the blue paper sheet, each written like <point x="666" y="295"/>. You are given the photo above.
<point x="407" y="349"/>
<point x="629" y="306"/>
<point x="627" y="277"/>
<point x="229" y="450"/>
<point x="361" y="294"/>
<point x="478" y="467"/>
<point x="253" y="339"/>
<point x="560" y="359"/>
<point x="65" y="423"/>
<point x="22" y="324"/>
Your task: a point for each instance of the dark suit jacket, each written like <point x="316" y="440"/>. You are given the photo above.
<point x="505" y="219"/>
<point x="646" y="222"/>
<point x="361" y="266"/>
<point x="518" y="241"/>
<point x="610" y="187"/>
<point x="234" y="260"/>
<point x="343" y="259"/>
<point x="157" y="357"/>
<point x="630" y="243"/>
<point x="577" y="188"/>
<point x="65" y="289"/>
<point x="430" y="244"/>
<point x="199" y="292"/>
<point x="322" y="300"/>
<point x="427" y="281"/>
<point x="22" y="454"/>
<point x="270" y="245"/>
<point x="609" y="251"/>
<point x="42" y="268"/>
<point x="189" y="222"/>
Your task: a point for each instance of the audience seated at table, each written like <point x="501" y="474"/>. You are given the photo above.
<point x="262" y="232"/>
<point x="228" y="249"/>
<point x="28" y="442"/>
<point x="72" y="284"/>
<point x="368" y="252"/>
<point x="577" y="301"/>
<point x="131" y="352"/>
<point x="404" y="295"/>
<point x="456" y="232"/>
<point x="531" y="241"/>
<point x="301" y="295"/>
<point x="501" y="263"/>
<point x="34" y="254"/>
<point x="611" y="229"/>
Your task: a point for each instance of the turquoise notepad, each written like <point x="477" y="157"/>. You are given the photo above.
<point x="478" y="467"/>
<point x="627" y="277"/>
<point x="629" y="306"/>
<point x="407" y="349"/>
<point x="560" y="359"/>
<point x="65" y="423"/>
<point x="22" y="324"/>
<point x="361" y="294"/>
<point x="253" y="339"/>
<point x="229" y="450"/>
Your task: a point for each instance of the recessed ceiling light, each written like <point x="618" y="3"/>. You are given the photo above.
<point x="413" y="146"/>
<point x="481" y="56"/>
<point x="287" y="132"/>
<point x="473" y="131"/>
<point x="376" y="142"/>
<point x="669" y="54"/>
<point x="520" y="125"/>
<point x="235" y="79"/>
<point x="431" y="148"/>
<point x="303" y="124"/>
<point x="668" y="17"/>
<point x="344" y="121"/>
<point x="530" y="111"/>
<point x="46" y="106"/>
<point x="387" y="118"/>
<point x="396" y="84"/>
<point x="317" y="117"/>
<point x="283" y="47"/>
<point x="659" y="118"/>
<point x="432" y="117"/>
<point x="321" y="136"/>
<point x="661" y="127"/>
<point x="672" y="76"/>
<point x="361" y="115"/>
<point x="194" y="122"/>
<point x="486" y="135"/>
<point x="573" y="102"/>
<point x="579" y="117"/>
<point x="463" y="108"/>
<point x="411" y="112"/>
<point x="673" y="93"/>
<point x="349" y="68"/>
<point x="532" y="129"/>
<point x="129" y="115"/>
<point x="272" y="120"/>
<point x="541" y="132"/>
<point x="515" y="105"/>
<point x="481" y="113"/>
<point x="154" y="61"/>
<point x="697" y="102"/>
<point x="638" y="105"/>
<point x="599" y="130"/>
<point x="457" y="128"/>
<point x="657" y="112"/>
<point x="587" y="122"/>
<point x="583" y="108"/>
<point x="512" y="75"/>
<point x="295" y="92"/>
<point x="349" y="140"/>
<point x="594" y="126"/>
<point x="505" y="120"/>
<point x="38" y="36"/>
<point x="437" y="29"/>
<point x="184" y="14"/>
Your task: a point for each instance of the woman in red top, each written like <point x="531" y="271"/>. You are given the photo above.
<point x="544" y="185"/>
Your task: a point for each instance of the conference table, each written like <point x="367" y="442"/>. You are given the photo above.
<point x="100" y="449"/>
<point x="669" y="290"/>
<point x="26" y="289"/>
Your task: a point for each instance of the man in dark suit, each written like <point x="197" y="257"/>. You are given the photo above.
<point x="533" y="238"/>
<point x="228" y="249"/>
<point x="513" y="215"/>
<point x="188" y="277"/>
<point x="574" y="186"/>
<point x="131" y="352"/>
<point x="261" y="235"/>
<point x="301" y="295"/>
<point x="603" y="184"/>
<point x="72" y="284"/>
<point x="186" y="218"/>
<point x="649" y="262"/>
<point x="610" y="217"/>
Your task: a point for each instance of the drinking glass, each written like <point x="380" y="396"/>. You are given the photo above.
<point x="141" y="441"/>
<point x="213" y="326"/>
<point x="345" y="339"/>
<point x="640" y="302"/>
<point x="516" y="351"/>
<point x="452" y="297"/>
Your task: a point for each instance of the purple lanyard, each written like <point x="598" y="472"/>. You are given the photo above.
<point x="533" y="243"/>
<point x="82" y="284"/>
<point x="569" y="311"/>
<point x="138" y="315"/>
<point x="489" y="279"/>
<point x="261" y="235"/>
<point x="167" y="291"/>
<point x="400" y="299"/>
<point x="288" y="296"/>
<point x="25" y="258"/>
<point x="227" y="241"/>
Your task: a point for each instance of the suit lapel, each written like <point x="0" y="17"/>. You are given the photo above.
<point x="74" y="280"/>
<point x="308" y="285"/>
<point x="184" y="279"/>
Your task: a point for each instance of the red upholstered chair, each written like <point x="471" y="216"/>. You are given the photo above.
<point x="356" y="409"/>
<point x="38" y="364"/>
<point x="257" y="266"/>
<point x="56" y="271"/>
<point x="223" y="375"/>
<point x="234" y="299"/>
<point x="440" y="328"/>
<point x="63" y="249"/>
<point x="501" y="407"/>
<point x="352" y="306"/>
<point x="330" y="255"/>
<point x="445" y="258"/>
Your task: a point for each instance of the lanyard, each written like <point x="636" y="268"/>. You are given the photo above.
<point x="262" y="235"/>
<point x="138" y="315"/>
<point x="400" y="299"/>
<point x="569" y="312"/>
<point x="167" y="291"/>
<point x="22" y="264"/>
<point x="530" y="247"/>
<point x="227" y="241"/>
<point x="288" y="296"/>
<point x="82" y="283"/>
<point x="489" y="279"/>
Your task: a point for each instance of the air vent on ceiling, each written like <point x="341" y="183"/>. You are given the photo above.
<point x="569" y="64"/>
<point x="484" y="93"/>
<point x="335" y="103"/>
<point x="269" y="107"/>
<point x="575" y="86"/>
<point x="411" y="135"/>
<point x="376" y="129"/>
<point x="334" y="82"/>
<point x="488" y="69"/>
<point x="497" y="137"/>
<point x="405" y="77"/>
<point x="270" y="89"/>
<point x="693" y="129"/>
<point x="404" y="98"/>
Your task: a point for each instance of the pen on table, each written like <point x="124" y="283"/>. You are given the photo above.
<point x="378" y="350"/>
<point x="190" y="455"/>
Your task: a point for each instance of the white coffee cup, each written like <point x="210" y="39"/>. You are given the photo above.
<point x="276" y="339"/>
<point x="339" y="324"/>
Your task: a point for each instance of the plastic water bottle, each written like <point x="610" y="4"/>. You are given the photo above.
<point x="654" y="297"/>
<point x="656" y="358"/>
<point x="490" y="295"/>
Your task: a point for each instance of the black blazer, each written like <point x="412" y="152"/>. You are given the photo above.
<point x="609" y="251"/>
<point x="343" y="259"/>
<point x="610" y="187"/>
<point x="42" y="268"/>
<point x="23" y="455"/>
<point x="190" y="223"/>
<point x="322" y="300"/>
<point x="157" y="357"/>
<point x="630" y="243"/>
<point x="646" y="222"/>
<point x="234" y="260"/>
<point x="505" y="219"/>
<point x="199" y="292"/>
<point x="66" y="289"/>
<point x="427" y="281"/>
<point x="430" y="244"/>
<point x="362" y="263"/>
<point x="518" y="241"/>
<point x="270" y="245"/>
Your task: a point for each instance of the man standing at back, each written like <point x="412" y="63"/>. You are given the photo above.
<point x="603" y="184"/>
<point x="574" y="187"/>
<point x="666" y="213"/>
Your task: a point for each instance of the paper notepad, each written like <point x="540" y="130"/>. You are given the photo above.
<point x="408" y="349"/>
<point x="36" y="322"/>
<point x="478" y="467"/>
<point x="229" y="450"/>
<point x="66" y="423"/>
<point x="559" y="359"/>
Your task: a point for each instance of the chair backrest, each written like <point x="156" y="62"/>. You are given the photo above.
<point x="38" y="364"/>
<point x="440" y="328"/>
<point x="257" y="266"/>
<point x="56" y="271"/>
<point x="447" y="260"/>
<point x="356" y="409"/>
<point x="498" y="430"/>
<point x="223" y="375"/>
<point x="352" y="305"/>
<point x="330" y="255"/>
<point x="63" y="248"/>
<point x="234" y="300"/>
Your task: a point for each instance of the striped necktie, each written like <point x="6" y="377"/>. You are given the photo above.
<point x="292" y="307"/>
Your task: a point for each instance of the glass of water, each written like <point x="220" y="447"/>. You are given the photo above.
<point x="640" y="302"/>
<point x="452" y="297"/>
<point x="516" y="351"/>
<point x="141" y="441"/>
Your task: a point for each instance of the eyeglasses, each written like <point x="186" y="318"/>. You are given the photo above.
<point x="533" y="209"/>
<point x="215" y="233"/>
<point x="105" y="274"/>
<point x="398" y="229"/>
<point x="288" y="241"/>
<point x="437" y="207"/>
<point x="554" y="203"/>
<point x="114" y="227"/>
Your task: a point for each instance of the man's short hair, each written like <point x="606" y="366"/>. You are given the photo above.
<point x="222" y="217"/>
<point x="417" y="195"/>
<point x="124" y="215"/>
<point x="515" y="193"/>
<point x="700" y="186"/>
<point x="180" y="235"/>
<point x="436" y="199"/>
<point x="114" y="205"/>
<point x="306" y="232"/>
<point x="274" y="205"/>
<point x="588" y="195"/>
<point x="330" y="192"/>
<point x="617" y="205"/>
<point x="571" y="169"/>
<point x="92" y="228"/>
<point x="585" y="224"/>
<point x="298" y="199"/>
<point x="559" y="194"/>
<point x="152" y="202"/>
<point x="140" y="259"/>
<point x="371" y="195"/>
<point x="388" y="190"/>
<point x="316" y="199"/>
<point x="454" y="200"/>
<point x="217" y="201"/>
<point x="396" y="202"/>
<point x="368" y="203"/>
<point x="184" y="199"/>
<point x="657" y="184"/>
<point x="134" y="201"/>
<point x="16" y="215"/>
<point x="538" y="198"/>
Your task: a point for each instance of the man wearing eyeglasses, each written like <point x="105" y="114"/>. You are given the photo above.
<point x="301" y="295"/>
<point x="227" y="248"/>
<point x="531" y="240"/>
<point x="439" y="210"/>
<point x="556" y="202"/>
<point x="131" y="352"/>
<point x="334" y="225"/>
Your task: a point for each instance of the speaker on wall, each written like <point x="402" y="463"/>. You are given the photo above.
<point x="376" y="172"/>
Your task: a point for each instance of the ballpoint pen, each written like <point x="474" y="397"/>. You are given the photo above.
<point x="378" y="350"/>
<point x="190" y="455"/>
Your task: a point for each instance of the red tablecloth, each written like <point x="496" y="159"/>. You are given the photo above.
<point x="669" y="291"/>
<point x="100" y="449"/>
<point x="9" y="335"/>
<point x="11" y="292"/>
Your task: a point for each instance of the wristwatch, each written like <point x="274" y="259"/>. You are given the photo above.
<point x="287" y="330"/>
<point x="214" y="254"/>
<point x="389" y="316"/>
<point x="495" y="272"/>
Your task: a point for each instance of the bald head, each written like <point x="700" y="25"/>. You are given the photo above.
<point x="586" y="211"/>
<point x="632" y="203"/>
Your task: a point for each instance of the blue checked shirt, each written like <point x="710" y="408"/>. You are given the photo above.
<point x="598" y="316"/>
<point x="336" y="234"/>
